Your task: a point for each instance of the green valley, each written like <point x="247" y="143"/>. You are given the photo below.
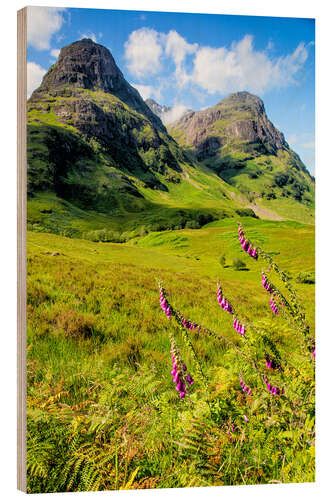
<point x="131" y="223"/>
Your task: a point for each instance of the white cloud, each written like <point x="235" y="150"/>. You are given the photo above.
<point x="143" y="51"/>
<point x="55" y="53"/>
<point x="35" y="75"/>
<point x="144" y="90"/>
<point x="147" y="91"/>
<point x="175" y="113"/>
<point x="244" y="68"/>
<point x="177" y="48"/>
<point x="43" y="22"/>
<point x="221" y="69"/>
<point x="89" y="34"/>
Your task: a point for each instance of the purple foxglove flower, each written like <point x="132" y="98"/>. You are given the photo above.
<point x="189" y="379"/>
<point x="179" y="386"/>
<point x="245" y="418"/>
<point x="176" y="378"/>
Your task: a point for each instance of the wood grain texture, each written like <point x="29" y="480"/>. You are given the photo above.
<point x="21" y="245"/>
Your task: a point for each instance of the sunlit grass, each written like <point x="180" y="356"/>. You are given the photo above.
<point x="103" y="412"/>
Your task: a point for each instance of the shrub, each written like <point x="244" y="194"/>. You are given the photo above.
<point x="306" y="277"/>
<point x="105" y="236"/>
<point x="239" y="265"/>
<point x="192" y="224"/>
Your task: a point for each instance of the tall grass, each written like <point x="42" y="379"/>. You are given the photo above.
<point x="103" y="412"/>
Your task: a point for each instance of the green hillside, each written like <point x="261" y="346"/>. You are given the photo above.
<point x="101" y="165"/>
<point x="238" y="142"/>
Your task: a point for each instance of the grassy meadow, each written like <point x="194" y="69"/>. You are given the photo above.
<point x="103" y="412"/>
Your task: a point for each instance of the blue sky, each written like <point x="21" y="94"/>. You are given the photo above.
<point x="194" y="60"/>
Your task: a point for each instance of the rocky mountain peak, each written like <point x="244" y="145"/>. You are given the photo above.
<point x="85" y="64"/>
<point x="240" y="116"/>
<point x="88" y="65"/>
<point x="244" y="100"/>
<point x="156" y="108"/>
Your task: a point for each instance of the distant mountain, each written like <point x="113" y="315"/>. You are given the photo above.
<point x="156" y="108"/>
<point x="236" y="139"/>
<point x="166" y="113"/>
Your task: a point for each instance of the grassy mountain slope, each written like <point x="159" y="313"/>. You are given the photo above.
<point x="99" y="385"/>
<point x="238" y="142"/>
<point x="98" y="156"/>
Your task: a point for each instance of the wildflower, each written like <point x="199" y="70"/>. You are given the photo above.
<point x="229" y="432"/>
<point x="178" y="372"/>
<point x="245" y="418"/>
<point x="266" y="284"/>
<point x="244" y="387"/>
<point x="273" y="305"/>
<point x="239" y="327"/>
<point x="271" y="363"/>
<point x="164" y="303"/>
<point x="273" y="389"/>
<point x="187" y="323"/>
<point x="246" y="245"/>
<point x="223" y="301"/>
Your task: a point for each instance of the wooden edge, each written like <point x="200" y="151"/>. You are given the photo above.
<point x="21" y="246"/>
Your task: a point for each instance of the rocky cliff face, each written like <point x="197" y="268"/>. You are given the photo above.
<point x="237" y="140"/>
<point x="85" y="104"/>
<point x="239" y="117"/>
<point x="88" y="65"/>
<point x="156" y="108"/>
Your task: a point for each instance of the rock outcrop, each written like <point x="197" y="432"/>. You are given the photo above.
<point x="239" y="117"/>
<point x="156" y="108"/>
<point x="87" y="65"/>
